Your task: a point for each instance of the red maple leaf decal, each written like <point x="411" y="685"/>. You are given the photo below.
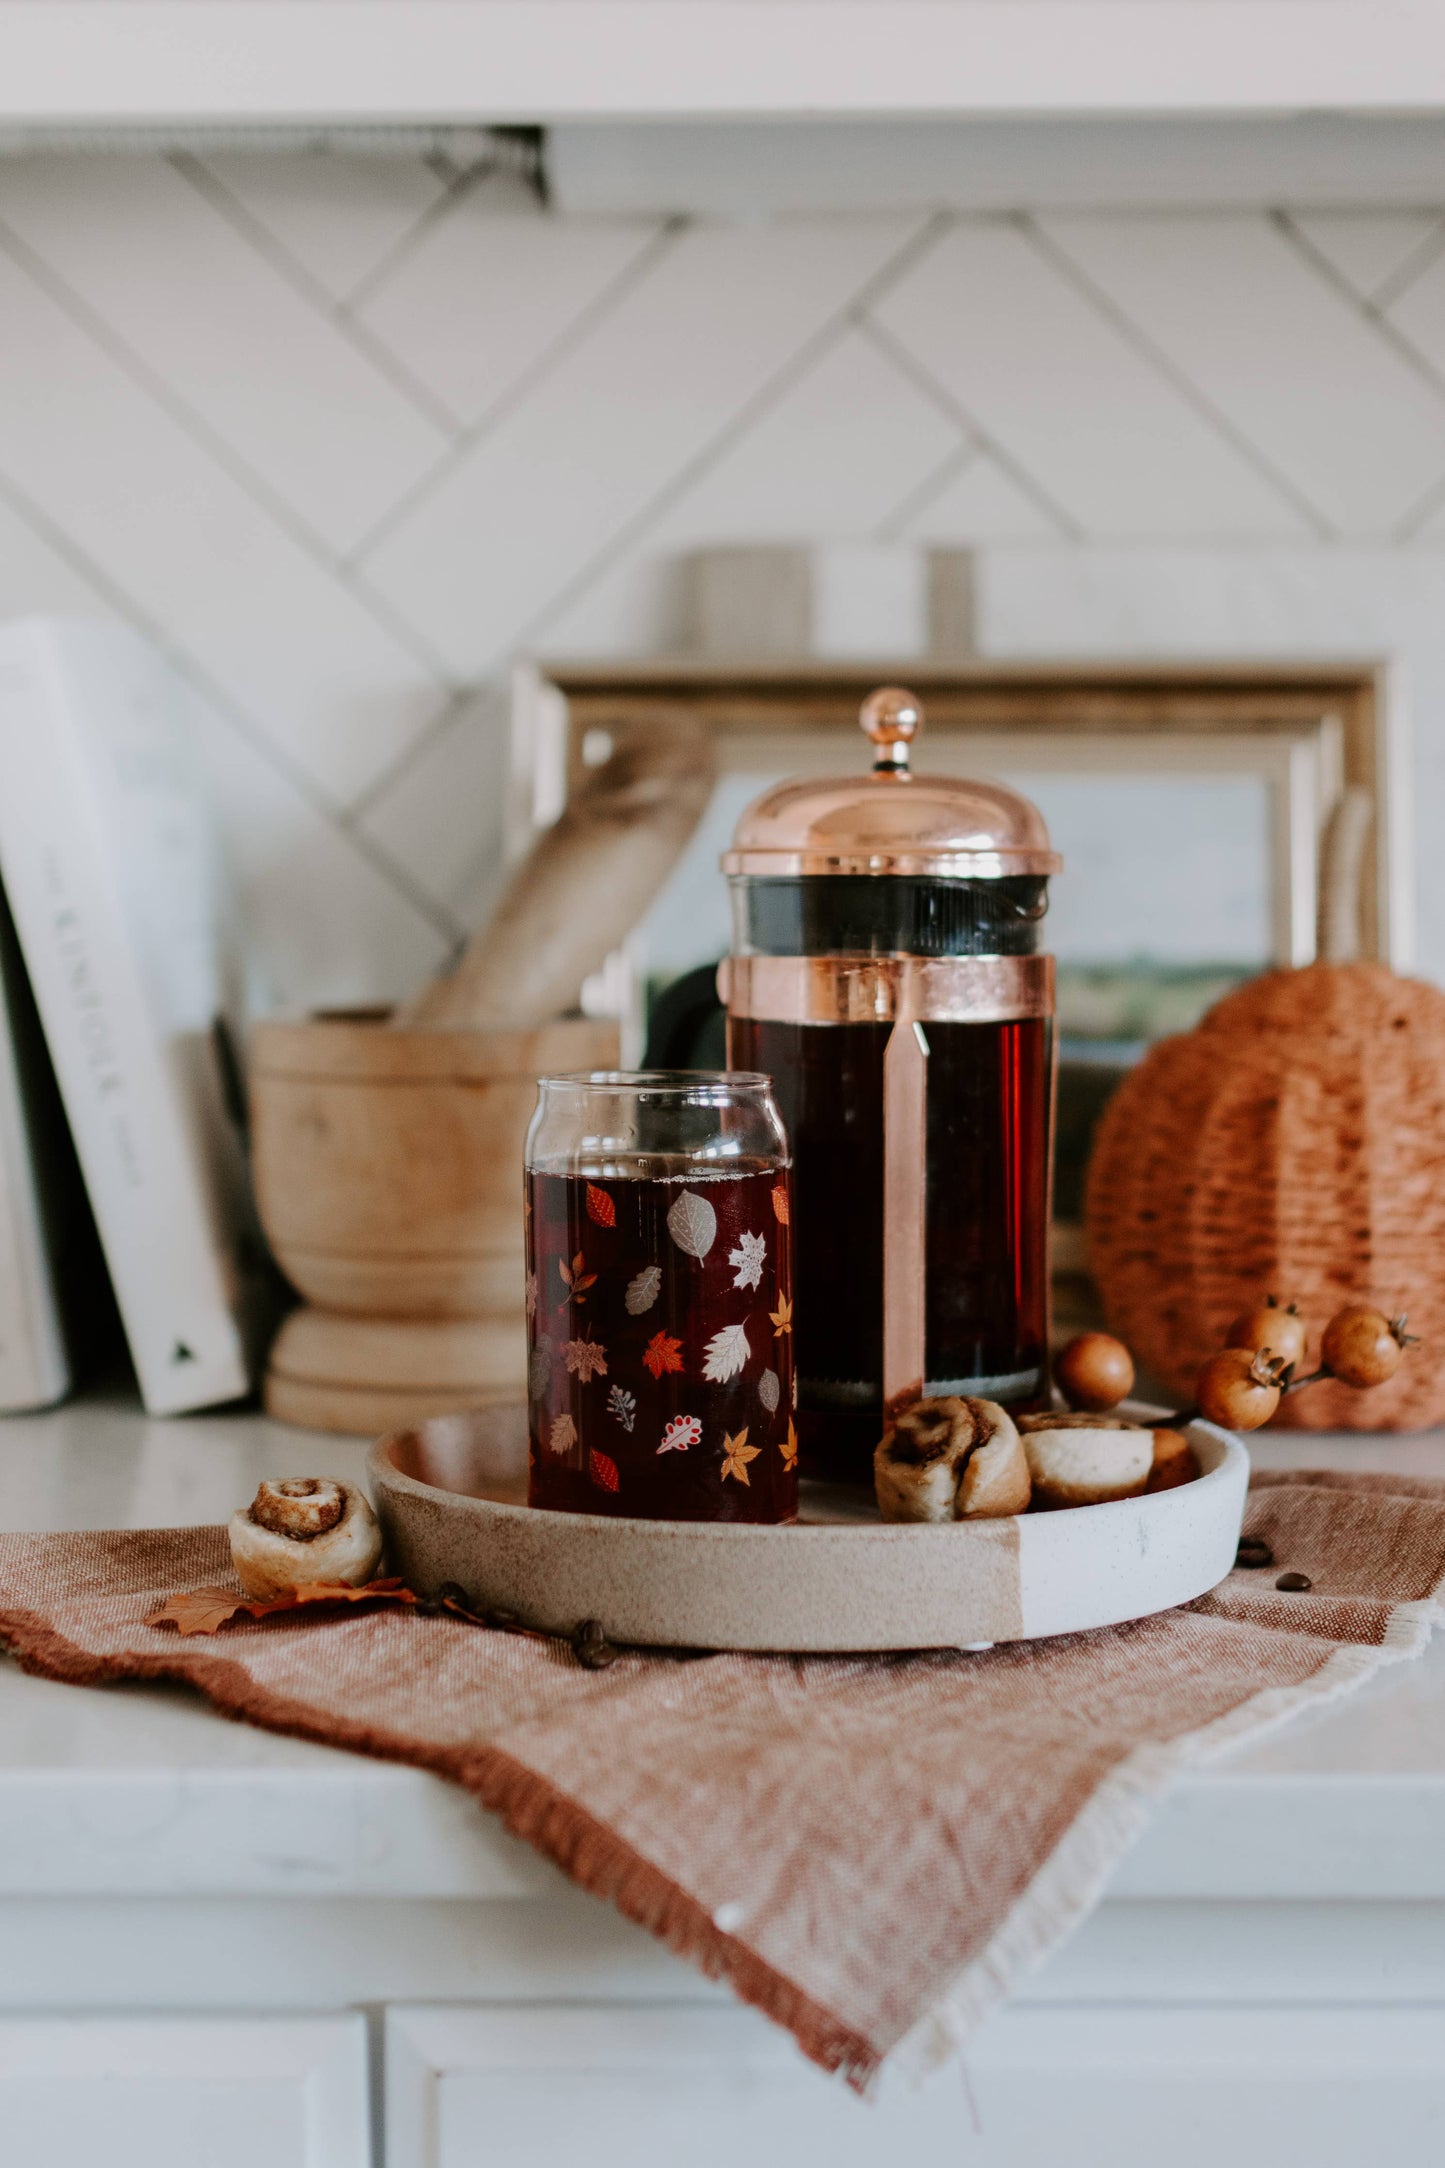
<point x="662" y="1353"/>
<point x="603" y="1470"/>
<point x="600" y="1209"/>
<point x="780" y="1205"/>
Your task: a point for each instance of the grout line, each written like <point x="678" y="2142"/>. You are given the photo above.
<point x="216" y="696"/>
<point x="1407" y="527"/>
<point x="457" y="182"/>
<point x="1137" y="338"/>
<point x="922" y="494"/>
<point x="795" y="369"/>
<point x="199" y="430"/>
<point x="1403" y="348"/>
<point x="366" y="800"/>
<point x="657" y="245"/>
<point x="983" y="438"/>
<point x="274" y="252"/>
<point x="1425" y="252"/>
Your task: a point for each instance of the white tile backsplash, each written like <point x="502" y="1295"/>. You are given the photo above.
<point x="311" y="416"/>
<point x="348" y="433"/>
<point x="487" y="291"/>
<point x="1337" y="411"/>
<point x="1063" y="386"/>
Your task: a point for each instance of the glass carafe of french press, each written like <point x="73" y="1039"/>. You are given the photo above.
<point x="886" y="974"/>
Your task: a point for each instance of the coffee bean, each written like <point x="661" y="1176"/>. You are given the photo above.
<point x="1291" y="1583"/>
<point x="591" y="1646"/>
<point x="1253" y="1551"/>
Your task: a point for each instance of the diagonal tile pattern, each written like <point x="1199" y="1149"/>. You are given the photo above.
<point x="347" y="433"/>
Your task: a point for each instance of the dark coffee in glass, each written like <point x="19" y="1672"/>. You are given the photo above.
<point x="659" y="1299"/>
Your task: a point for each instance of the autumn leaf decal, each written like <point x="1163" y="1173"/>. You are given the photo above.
<point x="681" y="1432"/>
<point x="531" y="1296"/>
<point x="770" y="1391"/>
<point x="603" y="1470"/>
<point x="563" y="1435"/>
<point x="692" y="1223"/>
<point x="600" y="1209"/>
<point x="585" y="1359"/>
<point x="780" y="1205"/>
<point x="736" y="1455"/>
<point x="788" y="1447"/>
<point x="576" y="1279"/>
<point x="727" y="1351"/>
<point x="622" y="1406"/>
<point x="782" y="1317"/>
<point x="643" y="1292"/>
<point x="662" y="1353"/>
<point x="748" y="1257"/>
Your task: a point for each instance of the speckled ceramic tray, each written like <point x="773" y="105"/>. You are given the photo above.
<point x="452" y="1499"/>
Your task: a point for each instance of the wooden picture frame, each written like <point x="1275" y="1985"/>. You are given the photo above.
<point x="1328" y="736"/>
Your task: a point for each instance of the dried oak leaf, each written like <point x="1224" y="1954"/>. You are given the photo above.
<point x="600" y="1209"/>
<point x="207" y="1610"/>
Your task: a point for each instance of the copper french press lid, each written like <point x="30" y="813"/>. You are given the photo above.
<point x="892" y="821"/>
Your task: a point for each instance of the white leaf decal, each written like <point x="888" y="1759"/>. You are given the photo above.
<point x="727" y="1351"/>
<point x="643" y="1292"/>
<point x="692" y="1223"/>
<point x="769" y="1391"/>
<point x="622" y="1406"/>
<point x="748" y="1257"/>
<point x="681" y="1432"/>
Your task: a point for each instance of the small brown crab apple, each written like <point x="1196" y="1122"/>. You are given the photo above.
<point x="1095" y="1371"/>
<point x="1274" y="1325"/>
<point x="1240" y="1387"/>
<point x="1362" y="1346"/>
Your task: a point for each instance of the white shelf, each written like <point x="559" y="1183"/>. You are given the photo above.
<point x="146" y="1793"/>
<point x="88" y="63"/>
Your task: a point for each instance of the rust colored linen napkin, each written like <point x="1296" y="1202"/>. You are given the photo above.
<point x="870" y="1849"/>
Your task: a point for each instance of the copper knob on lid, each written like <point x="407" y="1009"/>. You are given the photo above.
<point x="892" y="717"/>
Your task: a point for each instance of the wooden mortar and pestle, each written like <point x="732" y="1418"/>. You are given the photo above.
<point x="387" y="1146"/>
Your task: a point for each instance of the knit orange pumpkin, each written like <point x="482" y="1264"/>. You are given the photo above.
<point x="1293" y="1143"/>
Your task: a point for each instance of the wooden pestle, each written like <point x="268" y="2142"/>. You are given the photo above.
<point x="581" y="888"/>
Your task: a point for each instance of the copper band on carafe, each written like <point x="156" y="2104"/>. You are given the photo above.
<point x="885" y="989"/>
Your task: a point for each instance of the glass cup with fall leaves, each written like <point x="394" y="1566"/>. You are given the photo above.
<point x="660" y="1297"/>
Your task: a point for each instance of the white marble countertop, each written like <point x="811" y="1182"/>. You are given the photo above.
<point x="134" y="1791"/>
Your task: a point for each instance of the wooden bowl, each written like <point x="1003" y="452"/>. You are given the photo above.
<point x="388" y="1172"/>
<point x="451" y="1496"/>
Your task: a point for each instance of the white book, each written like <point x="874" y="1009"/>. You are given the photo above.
<point x="34" y="1367"/>
<point x="108" y="858"/>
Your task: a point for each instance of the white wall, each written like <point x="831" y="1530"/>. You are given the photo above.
<point x="348" y="435"/>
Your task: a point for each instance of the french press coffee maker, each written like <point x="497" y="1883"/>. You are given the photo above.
<point x="885" y="972"/>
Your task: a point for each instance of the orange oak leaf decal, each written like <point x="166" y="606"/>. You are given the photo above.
<point x="736" y="1455"/>
<point x="788" y="1447"/>
<point x="782" y="1317"/>
<point x="603" y="1470"/>
<point x="576" y="1279"/>
<point x="207" y="1610"/>
<point x="662" y="1353"/>
<point x="780" y="1205"/>
<point x="600" y="1209"/>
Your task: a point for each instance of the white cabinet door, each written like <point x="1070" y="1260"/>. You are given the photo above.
<point x="1118" y="2087"/>
<point x="164" y="2092"/>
